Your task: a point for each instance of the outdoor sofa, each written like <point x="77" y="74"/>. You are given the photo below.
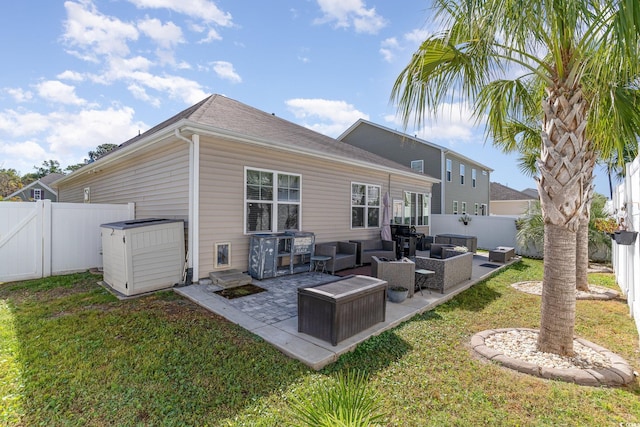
<point x="343" y="255"/>
<point x="374" y="247"/>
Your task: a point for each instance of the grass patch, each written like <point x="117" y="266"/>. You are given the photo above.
<point x="72" y="354"/>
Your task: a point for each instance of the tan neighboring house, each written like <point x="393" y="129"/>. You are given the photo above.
<point x="507" y="201"/>
<point x="38" y="190"/>
<point x="229" y="171"/>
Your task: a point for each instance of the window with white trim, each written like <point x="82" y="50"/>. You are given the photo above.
<point x="455" y="207"/>
<point x="365" y="205"/>
<point x="483" y="209"/>
<point x="37" y="194"/>
<point x="475" y="208"/>
<point x="473" y="178"/>
<point x="416" y="208"/>
<point x="272" y="201"/>
<point x="417" y="165"/>
<point x="461" y="174"/>
<point x="464" y="208"/>
<point x="449" y="170"/>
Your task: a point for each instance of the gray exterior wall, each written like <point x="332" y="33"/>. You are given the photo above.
<point x="455" y="191"/>
<point x="403" y="149"/>
<point x="26" y="194"/>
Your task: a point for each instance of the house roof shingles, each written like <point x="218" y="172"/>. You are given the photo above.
<point x="502" y="192"/>
<point x="220" y="112"/>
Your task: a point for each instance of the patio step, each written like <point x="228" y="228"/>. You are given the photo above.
<point x="230" y="278"/>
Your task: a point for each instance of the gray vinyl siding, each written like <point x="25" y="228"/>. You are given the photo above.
<point x="157" y="182"/>
<point x="401" y="150"/>
<point x="325" y="198"/>
<point x="465" y="192"/>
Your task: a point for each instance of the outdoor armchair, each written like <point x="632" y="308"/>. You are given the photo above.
<point x="343" y="255"/>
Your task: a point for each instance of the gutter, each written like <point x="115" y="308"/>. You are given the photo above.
<point x="193" y="251"/>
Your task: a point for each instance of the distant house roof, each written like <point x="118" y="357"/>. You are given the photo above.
<point x="363" y="122"/>
<point x="44" y="182"/>
<point x="223" y="116"/>
<point x="502" y="192"/>
<point x="531" y="192"/>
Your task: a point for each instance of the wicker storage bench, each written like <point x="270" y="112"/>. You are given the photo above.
<point x="338" y="310"/>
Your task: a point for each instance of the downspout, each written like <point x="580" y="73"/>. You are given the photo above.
<point x="443" y="180"/>
<point x="193" y="260"/>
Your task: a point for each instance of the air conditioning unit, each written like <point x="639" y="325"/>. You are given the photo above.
<point x="142" y="255"/>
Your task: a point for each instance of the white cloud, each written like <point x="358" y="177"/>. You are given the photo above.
<point x="95" y="34"/>
<point x="200" y="9"/>
<point x="454" y="124"/>
<point x="188" y="91"/>
<point x="212" y="35"/>
<point x="225" y="71"/>
<point x="71" y="75"/>
<point x="332" y="117"/>
<point x="140" y="93"/>
<point x="388" y="48"/>
<point x="19" y="94"/>
<point x="56" y="91"/>
<point x="22" y="123"/>
<point x="165" y="35"/>
<point x="347" y="13"/>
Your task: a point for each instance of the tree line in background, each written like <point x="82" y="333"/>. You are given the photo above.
<point x="11" y="181"/>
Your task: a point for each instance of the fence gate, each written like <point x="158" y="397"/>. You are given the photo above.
<point x="43" y="238"/>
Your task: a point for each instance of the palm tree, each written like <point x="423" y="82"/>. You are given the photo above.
<point x="573" y="53"/>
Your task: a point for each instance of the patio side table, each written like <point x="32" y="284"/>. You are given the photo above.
<point x="319" y="262"/>
<point x="421" y="277"/>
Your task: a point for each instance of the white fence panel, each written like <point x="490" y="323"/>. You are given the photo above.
<point x="75" y="234"/>
<point x="43" y="238"/>
<point x="20" y="240"/>
<point x="626" y="258"/>
<point x="491" y="231"/>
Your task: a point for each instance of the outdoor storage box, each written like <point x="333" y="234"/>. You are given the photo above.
<point x="338" y="310"/>
<point x="143" y="255"/>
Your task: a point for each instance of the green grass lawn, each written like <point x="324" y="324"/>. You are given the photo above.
<point x="72" y="354"/>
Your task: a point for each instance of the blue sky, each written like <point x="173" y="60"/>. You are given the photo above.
<point x="80" y="73"/>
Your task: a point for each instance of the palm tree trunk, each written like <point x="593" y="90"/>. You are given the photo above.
<point x="582" y="255"/>
<point x="563" y="200"/>
<point x="582" y="238"/>
<point x="558" y="292"/>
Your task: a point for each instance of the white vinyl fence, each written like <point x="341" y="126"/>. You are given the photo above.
<point x="626" y="258"/>
<point x="491" y="231"/>
<point x="43" y="238"/>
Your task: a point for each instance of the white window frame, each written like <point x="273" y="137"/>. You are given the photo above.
<point x="485" y="210"/>
<point x="367" y="205"/>
<point x="474" y="177"/>
<point x="448" y="172"/>
<point x="461" y="173"/>
<point x="455" y="207"/>
<point x="417" y="165"/>
<point x="464" y="208"/>
<point x="37" y="194"/>
<point x="410" y="210"/>
<point x="475" y="208"/>
<point x="274" y="202"/>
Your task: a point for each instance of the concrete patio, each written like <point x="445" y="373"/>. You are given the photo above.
<point x="273" y="314"/>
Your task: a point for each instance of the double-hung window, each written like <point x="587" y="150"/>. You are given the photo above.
<point x="461" y="174"/>
<point x="37" y="194"/>
<point x="365" y="205"/>
<point x="448" y="170"/>
<point x="416" y="208"/>
<point x="473" y="178"/>
<point x="417" y="165"/>
<point x="272" y="201"/>
<point x="455" y="207"/>
<point x="464" y="208"/>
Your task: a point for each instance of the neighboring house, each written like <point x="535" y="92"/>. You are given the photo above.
<point x="230" y="171"/>
<point x="464" y="183"/>
<point x="38" y="190"/>
<point x="507" y="201"/>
